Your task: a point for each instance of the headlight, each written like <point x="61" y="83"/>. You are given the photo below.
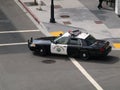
<point x="32" y="45"/>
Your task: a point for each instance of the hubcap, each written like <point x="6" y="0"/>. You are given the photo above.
<point x="41" y="50"/>
<point x="84" y="55"/>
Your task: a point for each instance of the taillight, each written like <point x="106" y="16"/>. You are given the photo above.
<point x="102" y="50"/>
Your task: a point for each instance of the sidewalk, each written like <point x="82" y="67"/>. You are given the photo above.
<point x="75" y="15"/>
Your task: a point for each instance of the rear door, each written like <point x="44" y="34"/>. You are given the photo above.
<point x="74" y="46"/>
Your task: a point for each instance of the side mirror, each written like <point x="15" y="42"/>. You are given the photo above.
<point x="55" y="42"/>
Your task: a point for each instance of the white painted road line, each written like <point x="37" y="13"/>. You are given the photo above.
<point x="40" y="26"/>
<point x="12" y="44"/>
<point x="115" y="48"/>
<point x="19" y="31"/>
<point x="85" y="73"/>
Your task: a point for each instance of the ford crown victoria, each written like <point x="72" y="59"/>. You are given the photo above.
<point x="73" y="43"/>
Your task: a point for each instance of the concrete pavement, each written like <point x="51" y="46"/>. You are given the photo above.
<point x="78" y="14"/>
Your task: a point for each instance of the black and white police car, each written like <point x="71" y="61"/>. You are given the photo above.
<point x="72" y="43"/>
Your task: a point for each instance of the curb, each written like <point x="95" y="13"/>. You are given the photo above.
<point x="27" y="9"/>
<point x="40" y="25"/>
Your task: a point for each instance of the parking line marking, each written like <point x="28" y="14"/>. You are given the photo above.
<point x="19" y="31"/>
<point x="11" y="44"/>
<point x="116" y="45"/>
<point x="85" y="73"/>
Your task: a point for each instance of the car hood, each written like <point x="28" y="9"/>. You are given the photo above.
<point x="43" y="40"/>
<point x="46" y="38"/>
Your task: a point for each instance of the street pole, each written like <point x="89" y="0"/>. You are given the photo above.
<point x="52" y="19"/>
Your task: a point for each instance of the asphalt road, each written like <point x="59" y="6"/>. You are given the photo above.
<point x="20" y="69"/>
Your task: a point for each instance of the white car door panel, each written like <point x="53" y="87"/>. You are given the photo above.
<point x="59" y="49"/>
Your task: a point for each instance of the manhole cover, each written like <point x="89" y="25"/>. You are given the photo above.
<point x="33" y="4"/>
<point x="43" y="3"/>
<point x="67" y="22"/>
<point x="98" y="22"/>
<point x="30" y="4"/>
<point x="57" y="6"/>
<point x="48" y="61"/>
<point x="64" y="16"/>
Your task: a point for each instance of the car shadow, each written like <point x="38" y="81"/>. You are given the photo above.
<point x="53" y="57"/>
<point x="102" y="60"/>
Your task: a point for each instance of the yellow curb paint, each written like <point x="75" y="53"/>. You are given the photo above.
<point x="56" y="33"/>
<point x="116" y="45"/>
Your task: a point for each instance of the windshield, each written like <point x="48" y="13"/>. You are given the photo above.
<point x="90" y="40"/>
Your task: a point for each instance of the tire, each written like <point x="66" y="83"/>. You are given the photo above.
<point x="42" y="52"/>
<point x="84" y="55"/>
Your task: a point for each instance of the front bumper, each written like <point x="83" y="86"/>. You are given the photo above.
<point x="31" y="46"/>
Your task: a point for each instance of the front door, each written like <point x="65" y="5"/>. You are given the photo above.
<point x="59" y="49"/>
<point x="59" y="46"/>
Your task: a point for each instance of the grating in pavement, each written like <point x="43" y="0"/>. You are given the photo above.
<point x="48" y="61"/>
<point x="33" y="4"/>
<point x="30" y="4"/>
<point x="64" y="16"/>
<point x="66" y="22"/>
<point x="57" y="6"/>
<point x="98" y="22"/>
<point x="42" y="3"/>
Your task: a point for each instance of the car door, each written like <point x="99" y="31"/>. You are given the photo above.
<point x="74" y="46"/>
<point x="59" y="46"/>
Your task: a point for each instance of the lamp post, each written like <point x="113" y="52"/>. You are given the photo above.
<point x="52" y="19"/>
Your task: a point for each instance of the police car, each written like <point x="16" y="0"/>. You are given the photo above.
<point x="72" y="43"/>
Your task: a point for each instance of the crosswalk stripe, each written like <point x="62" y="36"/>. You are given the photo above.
<point x="86" y="74"/>
<point x="19" y="31"/>
<point x="12" y="44"/>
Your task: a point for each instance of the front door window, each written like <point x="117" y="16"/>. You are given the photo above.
<point x="59" y="46"/>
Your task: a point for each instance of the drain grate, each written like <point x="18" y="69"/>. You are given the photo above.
<point x="57" y="6"/>
<point x="64" y="16"/>
<point x="43" y="3"/>
<point x="48" y="61"/>
<point x="66" y="22"/>
<point x="98" y="22"/>
<point x="30" y="4"/>
<point x="33" y="4"/>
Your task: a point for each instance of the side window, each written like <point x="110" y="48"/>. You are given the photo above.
<point x="83" y="42"/>
<point x="74" y="41"/>
<point x="63" y="40"/>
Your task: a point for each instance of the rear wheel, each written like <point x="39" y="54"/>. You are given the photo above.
<point x="84" y="55"/>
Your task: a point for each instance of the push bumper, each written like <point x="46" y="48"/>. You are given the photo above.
<point x="31" y="46"/>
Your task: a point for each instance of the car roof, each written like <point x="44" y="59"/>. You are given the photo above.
<point x="79" y="34"/>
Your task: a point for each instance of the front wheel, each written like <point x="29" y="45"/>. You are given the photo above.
<point x="84" y="55"/>
<point x="42" y="52"/>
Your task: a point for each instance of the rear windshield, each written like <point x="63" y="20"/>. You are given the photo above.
<point x="90" y="40"/>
